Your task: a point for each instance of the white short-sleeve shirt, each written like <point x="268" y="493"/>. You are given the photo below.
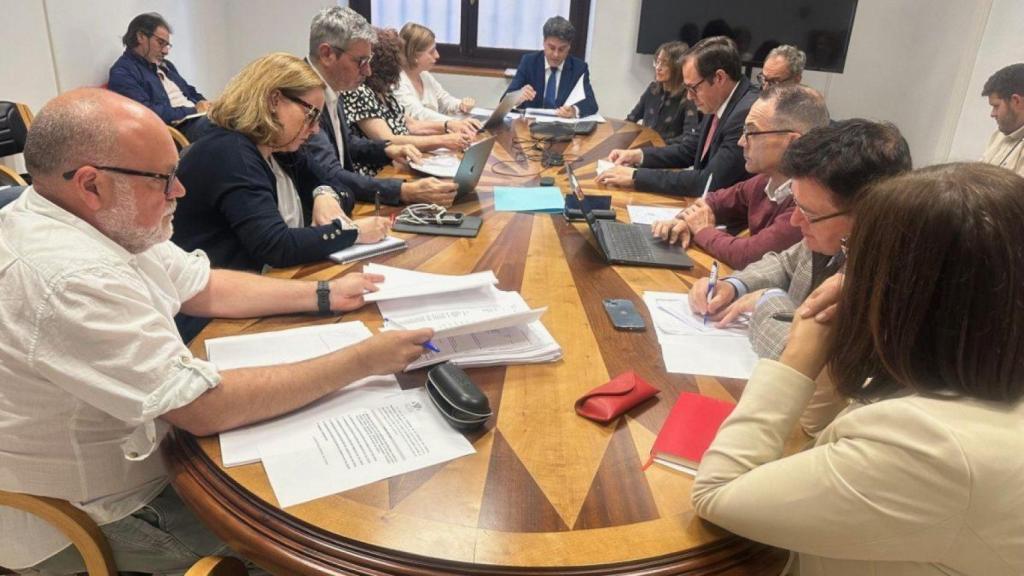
<point x="89" y="360"/>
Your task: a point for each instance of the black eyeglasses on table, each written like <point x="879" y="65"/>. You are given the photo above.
<point x="168" y="178"/>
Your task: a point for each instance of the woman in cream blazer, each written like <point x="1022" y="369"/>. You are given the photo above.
<point x="922" y="473"/>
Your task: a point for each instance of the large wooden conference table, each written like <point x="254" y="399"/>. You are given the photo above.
<point x="547" y="492"/>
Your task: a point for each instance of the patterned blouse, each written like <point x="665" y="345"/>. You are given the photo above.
<point x="363" y="104"/>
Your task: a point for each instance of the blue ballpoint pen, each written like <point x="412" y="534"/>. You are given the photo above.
<point x="711" y="286"/>
<point x="428" y="344"/>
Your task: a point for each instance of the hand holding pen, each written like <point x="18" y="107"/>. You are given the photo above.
<point x="428" y="344"/>
<point x="712" y="280"/>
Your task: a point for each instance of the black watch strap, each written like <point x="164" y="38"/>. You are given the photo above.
<point x="323" y="298"/>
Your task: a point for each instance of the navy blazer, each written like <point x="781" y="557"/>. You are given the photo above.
<point x="724" y="160"/>
<point x="230" y="207"/>
<point x="323" y="149"/>
<point x="531" y="71"/>
<point x="135" y="77"/>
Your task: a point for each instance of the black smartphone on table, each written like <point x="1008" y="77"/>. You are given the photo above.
<point x="624" y="315"/>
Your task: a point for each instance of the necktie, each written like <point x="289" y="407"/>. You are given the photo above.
<point x="711" y="135"/>
<point x="549" y="89"/>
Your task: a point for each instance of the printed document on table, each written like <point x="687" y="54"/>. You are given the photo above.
<point x="689" y="347"/>
<point x="672" y="316"/>
<point x="401" y="283"/>
<point x="639" y="214"/>
<point x="457" y="322"/>
<point x="708" y="356"/>
<point x="283" y="346"/>
<point x="381" y="438"/>
<point x="242" y="445"/>
<point x="523" y="344"/>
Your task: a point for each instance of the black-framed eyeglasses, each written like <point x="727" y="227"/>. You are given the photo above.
<point x="693" y="89"/>
<point x="168" y="178"/>
<point x="163" y="43"/>
<point x="766" y="82"/>
<point x="812" y="219"/>
<point x="312" y="112"/>
<point x="748" y="133"/>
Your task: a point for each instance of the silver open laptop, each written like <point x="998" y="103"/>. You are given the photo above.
<point x="507" y="103"/>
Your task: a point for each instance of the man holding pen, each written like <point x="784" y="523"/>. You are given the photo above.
<point x="830" y="167"/>
<point x="762" y="204"/>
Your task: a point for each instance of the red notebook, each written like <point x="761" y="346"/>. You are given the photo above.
<point x="688" y="432"/>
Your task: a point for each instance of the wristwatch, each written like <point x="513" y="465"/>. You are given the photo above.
<point x="323" y="298"/>
<point x="326" y="190"/>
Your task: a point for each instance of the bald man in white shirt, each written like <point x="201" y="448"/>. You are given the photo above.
<point x="92" y="371"/>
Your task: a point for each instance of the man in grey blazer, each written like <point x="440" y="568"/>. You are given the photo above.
<point x="340" y="51"/>
<point x="830" y="166"/>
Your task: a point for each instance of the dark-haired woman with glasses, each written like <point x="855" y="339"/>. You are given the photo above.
<point x="254" y="198"/>
<point x="920" y="473"/>
<point x="663" y="107"/>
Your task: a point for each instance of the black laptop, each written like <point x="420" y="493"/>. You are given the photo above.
<point x="630" y="244"/>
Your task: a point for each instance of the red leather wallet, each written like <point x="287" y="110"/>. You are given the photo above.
<point x="609" y="400"/>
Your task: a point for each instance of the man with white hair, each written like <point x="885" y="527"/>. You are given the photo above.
<point x="92" y="370"/>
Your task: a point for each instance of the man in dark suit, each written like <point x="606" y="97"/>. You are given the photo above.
<point x="144" y="74"/>
<point x="548" y="77"/>
<point x="339" y="50"/>
<point x="715" y="83"/>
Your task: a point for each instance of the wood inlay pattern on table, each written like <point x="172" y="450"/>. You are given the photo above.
<point x="546" y="492"/>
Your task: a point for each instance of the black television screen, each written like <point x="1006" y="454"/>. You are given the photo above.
<point x="821" y="28"/>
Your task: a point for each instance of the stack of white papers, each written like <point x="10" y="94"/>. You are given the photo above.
<point x="365" y="432"/>
<point x="401" y="283"/>
<point x="475" y="326"/>
<point x="544" y="115"/>
<point x="688" y="346"/>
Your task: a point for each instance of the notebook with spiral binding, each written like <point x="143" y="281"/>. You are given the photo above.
<point x="469" y="228"/>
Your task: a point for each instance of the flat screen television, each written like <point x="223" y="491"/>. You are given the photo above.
<point x="821" y="28"/>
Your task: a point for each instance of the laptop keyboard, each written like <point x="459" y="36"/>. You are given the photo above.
<point x="626" y="242"/>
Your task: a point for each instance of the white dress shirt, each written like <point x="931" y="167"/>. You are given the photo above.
<point x="331" y="104"/>
<point x="89" y="361"/>
<point x="174" y="93"/>
<point x="288" y="203"/>
<point x="434" y="104"/>
<point x="547" y="77"/>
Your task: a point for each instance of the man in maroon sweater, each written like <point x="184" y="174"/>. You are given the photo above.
<point x="763" y="204"/>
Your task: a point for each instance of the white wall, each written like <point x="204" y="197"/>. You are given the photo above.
<point x="1001" y="46"/>
<point x="917" y="63"/>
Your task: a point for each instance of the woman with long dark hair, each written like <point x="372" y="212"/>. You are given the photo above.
<point x="921" y="472"/>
